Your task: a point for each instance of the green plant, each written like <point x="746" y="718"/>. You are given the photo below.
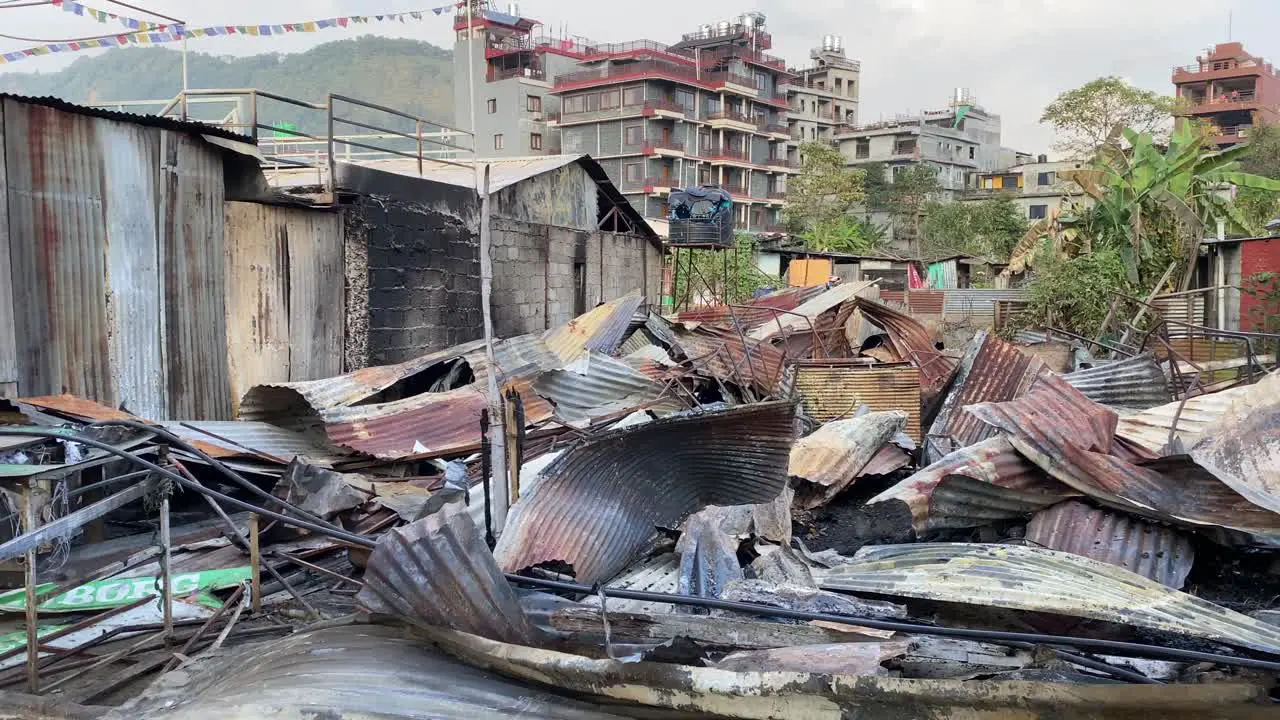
<point x="989" y="228"/>
<point x="1084" y="118"/>
<point x="1074" y="293"/>
<point x="846" y="234"/>
<point x="707" y="275"/>
<point x="823" y="193"/>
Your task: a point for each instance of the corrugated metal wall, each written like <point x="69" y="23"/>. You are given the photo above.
<point x="113" y="268"/>
<point x="284" y="302"/>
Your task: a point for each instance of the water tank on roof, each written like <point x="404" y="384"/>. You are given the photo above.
<point x="837" y="43"/>
<point x="704" y="31"/>
<point x="513" y="9"/>
<point x="1042" y="158"/>
<point x="723" y="27"/>
<point x="828" y="42"/>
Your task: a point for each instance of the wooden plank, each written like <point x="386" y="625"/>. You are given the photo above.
<point x="57" y="528"/>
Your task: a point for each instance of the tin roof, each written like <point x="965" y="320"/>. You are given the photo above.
<point x="601" y="329"/>
<point x="167" y="123"/>
<point x="1039" y="580"/>
<point x="1242" y="447"/>
<point x="830" y="458"/>
<point x="1149" y="429"/>
<point x="1136" y="383"/>
<point x="596" y="506"/>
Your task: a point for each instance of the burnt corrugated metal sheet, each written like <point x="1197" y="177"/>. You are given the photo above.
<point x="913" y="343"/>
<point x="1136" y="383"/>
<point x="1152" y="551"/>
<point x="926" y="302"/>
<point x="804" y="317"/>
<point x="443" y="423"/>
<point x="596" y="506"/>
<point x="754" y="313"/>
<point x="1072" y="439"/>
<point x="1149" y="429"/>
<point x="828" y="459"/>
<point x="721" y="353"/>
<point x="277" y="402"/>
<point x="596" y="386"/>
<point x="1038" y="580"/>
<point x="973" y="486"/>
<point x="1242" y="448"/>
<point x="240" y="438"/>
<point x="285" y="294"/>
<point x="439" y="571"/>
<point x="600" y="329"/>
<point x="991" y="370"/>
<point x="886" y="460"/>
<point x="194" y="331"/>
<point x="831" y="390"/>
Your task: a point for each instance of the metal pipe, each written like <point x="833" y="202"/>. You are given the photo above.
<point x="316" y="568"/>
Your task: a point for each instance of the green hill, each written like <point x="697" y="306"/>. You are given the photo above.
<point x="408" y="75"/>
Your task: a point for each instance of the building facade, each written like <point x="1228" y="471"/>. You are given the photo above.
<point x="1231" y="90"/>
<point x="1038" y="188"/>
<point x="713" y="108"/>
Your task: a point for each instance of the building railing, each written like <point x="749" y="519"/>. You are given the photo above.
<point x="649" y="147"/>
<point x="664" y="181"/>
<point x="642" y="67"/>
<point x="776" y="195"/>
<point x="716" y="152"/>
<point x="1221" y="65"/>
<point x="844" y="129"/>
<point x="730" y="115"/>
<point x="772" y="127"/>
<point x="777" y="162"/>
<point x="666" y="106"/>
<point x="735" y="189"/>
<point x="724" y="76"/>
<point x="718" y="55"/>
<point x="533" y="73"/>
<point x="762" y="39"/>
<point x="1233" y="130"/>
<point x="285" y="147"/>
<point x="1228" y="98"/>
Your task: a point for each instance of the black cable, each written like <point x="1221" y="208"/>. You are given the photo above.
<point x="337" y="534"/>
<point x="235" y="477"/>
<point x="998" y="636"/>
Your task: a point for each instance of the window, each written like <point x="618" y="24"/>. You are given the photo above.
<point x="633" y="95"/>
<point x="632" y="172"/>
<point x="497" y="141"/>
<point x="1047" y="178"/>
<point x="862" y="150"/>
<point x="633" y="135"/>
<point x="533" y="103"/>
<point x="608" y="99"/>
<point x="762" y="81"/>
<point x="535" y="141"/>
<point x="1037" y="212"/>
<point x="492" y="105"/>
<point x="575" y="104"/>
<point x="971" y="149"/>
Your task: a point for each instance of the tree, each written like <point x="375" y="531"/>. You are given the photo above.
<point x="823" y="194"/>
<point x="905" y="199"/>
<point x="708" y="273"/>
<point x="1262" y="158"/>
<point x="1085" y="118"/>
<point x="989" y="228"/>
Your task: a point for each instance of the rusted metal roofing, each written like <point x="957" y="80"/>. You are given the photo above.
<point x="833" y="389"/>
<point x="1152" y="551"/>
<point x="438" y="571"/>
<point x="601" y="329"/>
<point x="1149" y="429"/>
<point x="597" y="385"/>
<point x="270" y="402"/>
<point x="827" y="460"/>
<point x="1039" y="580"/>
<point x="991" y="370"/>
<point x="926" y="302"/>
<point x="77" y="407"/>
<point x="240" y="438"/>
<point x="754" y="313"/>
<point x="913" y="343"/>
<point x="1072" y="439"/>
<point x="1242" y="447"/>
<point x="724" y="354"/>
<point x="596" y="506"/>
<point x="805" y="315"/>
<point x="974" y="486"/>
<point x="155" y="121"/>
<point x="444" y="423"/>
<point x="887" y="459"/>
<point x="1135" y="383"/>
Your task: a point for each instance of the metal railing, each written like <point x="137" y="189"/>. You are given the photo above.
<point x="732" y="116"/>
<point x="653" y="145"/>
<point x="284" y="146"/>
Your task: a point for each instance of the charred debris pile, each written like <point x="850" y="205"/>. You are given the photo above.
<point x="798" y="507"/>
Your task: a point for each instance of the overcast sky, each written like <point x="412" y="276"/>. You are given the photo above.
<point x="1014" y="55"/>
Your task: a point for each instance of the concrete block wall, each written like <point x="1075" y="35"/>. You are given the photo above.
<point x="519" y="276"/>
<point x="424" y="280"/>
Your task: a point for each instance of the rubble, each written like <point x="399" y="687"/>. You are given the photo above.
<point x="795" y="507"/>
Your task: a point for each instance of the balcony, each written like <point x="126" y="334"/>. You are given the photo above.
<point x="762" y="40"/>
<point x="660" y="185"/>
<point x="777" y="162"/>
<point x="664" y="108"/>
<point x="715" y="153"/>
<point x="722" y="54"/>
<point x="773" y="128"/>
<point x="731" y="120"/>
<point x="744" y="84"/>
<point x="1244" y="100"/>
<point x="532" y="73"/>
<point x="1220" y="69"/>
<point x="663" y="148"/>
<point x="629" y="71"/>
<point x="1231" y="134"/>
<point x="776" y="196"/>
<point x="737" y="190"/>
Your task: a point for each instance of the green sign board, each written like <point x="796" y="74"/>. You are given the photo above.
<point x="114" y="592"/>
<point x="284" y="129"/>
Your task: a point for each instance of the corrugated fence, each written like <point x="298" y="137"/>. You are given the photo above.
<point x="118" y="282"/>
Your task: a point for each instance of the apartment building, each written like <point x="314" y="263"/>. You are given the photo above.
<point x="957" y="141"/>
<point x="713" y="108"/>
<point x="1231" y="90"/>
<point x="1038" y="188"/>
<point x="822" y="97"/>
